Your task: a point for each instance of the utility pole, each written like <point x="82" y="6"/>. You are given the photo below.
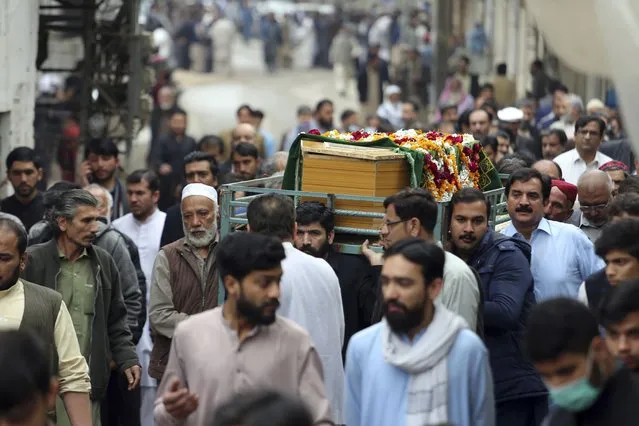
<point x="442" y="26"/>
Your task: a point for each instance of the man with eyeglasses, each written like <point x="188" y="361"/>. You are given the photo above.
<point x="595" y="194"/>
<point x="589" y="132"/>
<point x="413" y="213"/>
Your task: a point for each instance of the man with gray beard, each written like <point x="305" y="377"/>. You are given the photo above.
<point x="184" y="280"/>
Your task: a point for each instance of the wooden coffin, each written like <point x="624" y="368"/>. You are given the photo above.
<point x="353" y="170"/>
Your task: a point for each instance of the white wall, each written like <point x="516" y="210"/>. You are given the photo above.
<point x="18" y="47"/>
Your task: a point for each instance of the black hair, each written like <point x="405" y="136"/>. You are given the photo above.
<point x="195" y="156"/>
<point x="27" y="373"/>
<point x="627" y="203"/>
<point x="415" y="203"/>
<point x="272" y="215"/>
<point x="427" y="255"/>
<point x="527" y="174"/>
<point x="538" y="63"/>
<point x="509" y="164"/>
<point x="492" y="105"/>
<point x="348" y="113"/>
<point x="103" y="147"/>
<point x="630" y="185"/>
<point x="256" y="113"/>
<point x="488" y="113"/>
<point x="587" y="119"/>
<point x="559" y="326"/>
<point x="54" y="191"/>
<point x="502" y="69"/>
<point x="263" y="408"/>
<point x="465" y="59"/>
<point x="151" y="178"/>
<point x="243" y="107"/>
<point x="321" y="103"/>
<point x="23" y="154"/>
<point x="446" y="107"/>
<point x="557" y="86"/>
<point x="467" y="196"/>
<point x="619" y="302"/>
<point x="245" y="149"/>
<point x="211" y="141"/>
<point x="619" y="235"/>
<point x="463" y="120"/>
<point x="414" y="104"/>
<point x="13" y="224"/>
<point x="313" y="211"/>
<point x="179" y="111"/>
<point x="487" y="86"/>
<point x="561" y="135"/>
<point x="241" y="253"/>
<point x="490" y="141"/>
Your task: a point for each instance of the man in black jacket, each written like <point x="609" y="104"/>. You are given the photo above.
<point x="199" y="167"/>
<point x="315" y="234"/>
<point x="503" y="265"/>
<point x="618" y="247"/>
<point x="619" y="315"/>
<point x="585" y="383"/>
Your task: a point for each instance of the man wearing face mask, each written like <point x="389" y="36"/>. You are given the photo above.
<point x="586" y="385"/>
<point x="184" y="280"/>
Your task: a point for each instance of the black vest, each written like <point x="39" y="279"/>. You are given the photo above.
<point x="596" y="287"/>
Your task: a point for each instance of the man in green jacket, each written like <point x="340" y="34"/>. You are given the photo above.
<point x="89" y="282"/>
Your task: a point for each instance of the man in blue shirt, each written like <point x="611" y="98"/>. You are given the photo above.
<point x="562" y="255"/>
<point x="421" y="365"/>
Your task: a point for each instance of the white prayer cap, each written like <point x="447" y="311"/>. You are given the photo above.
<point x="199" y="189"/>
<point x="510" y="115"/>
<point x="392" y="90"/>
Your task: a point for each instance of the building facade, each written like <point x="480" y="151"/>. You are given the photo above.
<point x="18" y="47"/>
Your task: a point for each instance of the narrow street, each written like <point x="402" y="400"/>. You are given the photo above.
<point x="211" y="100"/>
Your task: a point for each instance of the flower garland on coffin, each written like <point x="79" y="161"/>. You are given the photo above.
<point x="451" y="161"/>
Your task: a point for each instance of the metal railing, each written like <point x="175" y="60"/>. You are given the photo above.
<point x="233" y="209"/>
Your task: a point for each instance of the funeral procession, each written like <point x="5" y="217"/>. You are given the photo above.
<point x="319" y="212"/>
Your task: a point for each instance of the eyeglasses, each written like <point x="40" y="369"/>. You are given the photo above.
<point x="593" y="208"/>
<point x="391" y="223"/>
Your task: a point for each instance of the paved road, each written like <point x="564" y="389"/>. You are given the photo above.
<point x="211" y="100"/>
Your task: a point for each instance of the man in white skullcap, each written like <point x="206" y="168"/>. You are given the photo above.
<point x="185" y="278"/>
<point x="391" y="109"/>
<point x="510" y="119"/>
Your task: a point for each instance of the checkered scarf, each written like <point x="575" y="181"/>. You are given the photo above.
<point x="426" y="361"/>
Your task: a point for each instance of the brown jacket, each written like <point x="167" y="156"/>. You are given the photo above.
<point x="505" y="91"/>
<point x="189" y="296"/>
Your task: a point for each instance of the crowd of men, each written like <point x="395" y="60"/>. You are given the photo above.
<point x="147" y="317"/>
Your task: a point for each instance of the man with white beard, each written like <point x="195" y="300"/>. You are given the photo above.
<point x="184" y="280"/>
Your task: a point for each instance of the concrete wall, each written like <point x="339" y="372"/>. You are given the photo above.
<point x="18" y="47"/>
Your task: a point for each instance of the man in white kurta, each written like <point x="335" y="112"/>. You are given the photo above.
<point x="144" y="225"/>
<point x="310" y="293"/>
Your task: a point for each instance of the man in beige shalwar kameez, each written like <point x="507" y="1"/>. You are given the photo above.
<point x="241" y="346"/>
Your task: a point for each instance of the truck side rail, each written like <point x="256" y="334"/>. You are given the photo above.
<point x="233" y="209"/>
